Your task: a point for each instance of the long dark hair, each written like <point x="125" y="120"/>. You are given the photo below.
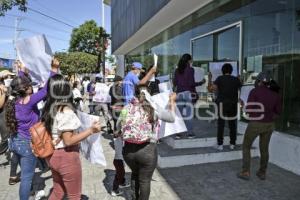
<point x="145" y="104"/>
<point x="59" y="95"/>
<point x="183" y="63"/>
<point x="19" y="86"/>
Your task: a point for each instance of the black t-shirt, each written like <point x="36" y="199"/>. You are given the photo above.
<point x="228" y="87"/>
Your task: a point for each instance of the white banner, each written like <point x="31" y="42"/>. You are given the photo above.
<point x="199" y="76"/>
<point x="35" y="53"/>
<point x="167" y="129"/>
<point x="91" y="147"/>
<point x="215" y="69"/>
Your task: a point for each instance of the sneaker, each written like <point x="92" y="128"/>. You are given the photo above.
<point x="124" y="185"/>
<point x="191" y="136"/>
<point x="13" y="181"/>
<point x="115" y="193"/>
<point x="261" y="175"/>
<point x="244" y="175"/>
<point x="231" y="147"/>
<point x="39" y="195"/>
<point x="219" y="147"/>
<point x="178" y="136"/>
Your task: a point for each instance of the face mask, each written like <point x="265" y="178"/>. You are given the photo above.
<point x="138" y="75"/>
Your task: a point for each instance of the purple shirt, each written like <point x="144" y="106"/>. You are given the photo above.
<point x="269" y="99"/>
<point x="28" y="114"/>
<point x="185" y="81"/>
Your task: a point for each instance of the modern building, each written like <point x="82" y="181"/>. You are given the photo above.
<point x="258" y="35"/>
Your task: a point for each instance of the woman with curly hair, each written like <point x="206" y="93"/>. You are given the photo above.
<point x="21" y="114"/>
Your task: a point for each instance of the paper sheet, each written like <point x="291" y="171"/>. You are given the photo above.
<point x="245" y="91"/>
<point x="102" y="93"/>
<point x="216" y="69"/>
<point x="199" y="76"/>
<point x="165" y="87"/>
<point x="36" y="54"/>
<point x="91" y="147"/>
<point x="167" y="129"/>
<point x="163" y="78"/>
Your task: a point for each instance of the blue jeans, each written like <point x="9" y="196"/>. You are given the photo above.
<point x="21" y="147"/>
<point x="185" y="106"/>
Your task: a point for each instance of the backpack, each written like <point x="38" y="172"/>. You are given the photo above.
<point x="41" y="141"/>
<point x="135" y="125"/>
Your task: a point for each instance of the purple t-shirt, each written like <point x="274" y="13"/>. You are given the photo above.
<point x="185" y="81"/>
<point x="28" y="114"/>
<point x="269" y="99"/>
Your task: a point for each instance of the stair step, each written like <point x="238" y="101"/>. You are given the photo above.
<point x="198" y="142"/>
<point x="169" y="157"/>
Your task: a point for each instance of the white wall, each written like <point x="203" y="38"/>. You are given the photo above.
<point x="285" y="151"/>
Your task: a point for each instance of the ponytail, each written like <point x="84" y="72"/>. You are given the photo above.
<point x="10" y="115"/>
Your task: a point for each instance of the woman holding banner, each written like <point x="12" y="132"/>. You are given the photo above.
<point x="61" y="120"/>
<point x="184" y="82"/>
<point x="21" y="114"/>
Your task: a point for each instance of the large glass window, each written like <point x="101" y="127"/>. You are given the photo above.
<point x="271" y="42"/>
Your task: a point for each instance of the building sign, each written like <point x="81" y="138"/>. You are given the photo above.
<point x="6" y="63"/>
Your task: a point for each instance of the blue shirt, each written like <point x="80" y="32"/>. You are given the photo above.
<point x="129" y="83"/>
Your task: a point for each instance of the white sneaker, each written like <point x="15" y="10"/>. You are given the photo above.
<point x="39" y="194"/>
<point x="231" y="147"/>
<point x="219" y="147"/>
<point x="116" y="193"/>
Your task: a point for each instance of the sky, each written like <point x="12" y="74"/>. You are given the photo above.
<point x="71" y="12"/>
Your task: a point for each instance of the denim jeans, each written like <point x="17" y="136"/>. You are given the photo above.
<point x="185" y="106"/>
<point x="21" y="147"/>
<point x="142" y="160"/>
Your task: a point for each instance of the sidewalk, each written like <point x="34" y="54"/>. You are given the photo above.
<point x="199" y="182"/>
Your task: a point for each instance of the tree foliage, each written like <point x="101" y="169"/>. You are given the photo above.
<point x="6" y="5"/>
<point x="86" y="38"/>
<point x="77" y="63"/>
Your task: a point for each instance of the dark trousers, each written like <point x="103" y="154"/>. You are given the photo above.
<point x="226" y="111"/>
<point x="264" y="131"/>
<point x="120" y="174"/>
<point x="14" y="162"/>
<point x="142" y="160"/>
<point x="115" y="117"/>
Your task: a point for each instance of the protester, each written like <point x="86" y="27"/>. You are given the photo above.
<point x="227" y="87"/>
<point x="91" y="93"/>
<point x="21" y="114"/>
<point x="14" y="160"/>
<point x="261" y="124"/>
<point x="119" y="180"/>
<point x="117" y="100"/>
<point x="61" y="120"/>
<point x="131" y="80"/>
<point x="85" y="83"/>
<point x="77" y="94"/>
<point x="153" y="83"/>
<point x="139" y="122"/>
<point x="185" y="87"/>
<point x="101" y="100"/>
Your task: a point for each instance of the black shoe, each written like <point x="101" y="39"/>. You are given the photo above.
<point x="261" y="175"/>
<point x="13" y="181"/>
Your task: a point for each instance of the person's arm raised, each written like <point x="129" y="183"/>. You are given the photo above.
<point x="148" y="76"/>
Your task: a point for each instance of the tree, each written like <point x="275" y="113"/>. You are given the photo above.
<point x="87" y="38"/>
<point x="72" y="63"/>
<point x="6" y="5"/>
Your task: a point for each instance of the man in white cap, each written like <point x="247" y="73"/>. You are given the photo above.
<point x="131" y="80"/>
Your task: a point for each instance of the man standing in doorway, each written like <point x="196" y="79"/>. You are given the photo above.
<point x="131" y="80"/>
<point x="227" y="87"/>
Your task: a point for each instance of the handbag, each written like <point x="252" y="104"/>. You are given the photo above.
<point x="41" y="141"/>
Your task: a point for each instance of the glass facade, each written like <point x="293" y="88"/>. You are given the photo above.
<point x="267" y="37"/>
